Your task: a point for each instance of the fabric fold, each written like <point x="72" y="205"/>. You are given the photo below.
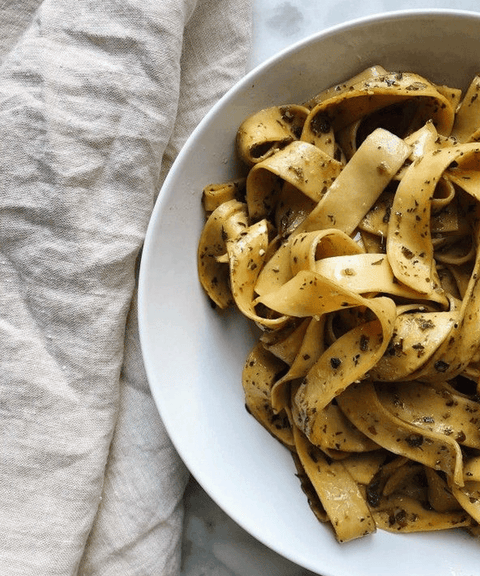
<point x="96" y="100"/>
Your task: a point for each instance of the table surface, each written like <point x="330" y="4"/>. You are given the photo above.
<point x="213" y="544"/>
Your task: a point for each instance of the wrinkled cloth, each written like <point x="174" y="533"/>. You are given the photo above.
<point x="96" y="99"/>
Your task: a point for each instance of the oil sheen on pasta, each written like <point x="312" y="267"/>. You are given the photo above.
<point x="352" y="242"/>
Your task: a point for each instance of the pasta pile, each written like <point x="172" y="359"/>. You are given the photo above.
<point x="352" y="242"/>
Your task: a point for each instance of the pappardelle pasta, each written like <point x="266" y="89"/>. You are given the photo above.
<point x="352" y="242"/>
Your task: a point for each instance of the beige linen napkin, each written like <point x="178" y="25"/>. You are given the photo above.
<point x="96" y="99"/>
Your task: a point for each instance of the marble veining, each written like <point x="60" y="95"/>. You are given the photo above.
<point x="214" y="545"/>
<point x="286" y="19"/>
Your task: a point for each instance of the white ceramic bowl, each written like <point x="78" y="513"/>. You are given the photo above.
<point x="194" y="356"/>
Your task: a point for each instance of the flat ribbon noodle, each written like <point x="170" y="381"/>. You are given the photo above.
<point x="216" y="194"/>
<point x="363" y="466"/>
<point x="468" y="497"/>
<point x="259" y="374"/>
<point x="362" y="98"/>
<point x="269" y="130"/>
<point x="347" y="138"/>
<point x="362" y="181"/>
<point x="309" y="490"/>
<point x="343" y="363"/>
<point x="337" y="432"/>
<point x="416" y="338"/>
<point x="465" y="127"/>
<point x="422" y="140"/>
<point x="375" y="221"/>
<point x="310" y="349"/>
<point x="322" y="136"/>
<point x="409" y="244"/>
<point x="300" y="164"/>
<point x="228" y="220"/>
<point x="439" y="495"/>
<point x="460" y="276"/>
<point x="361" y="405"/>
<point x="465" y="173"/>
<point x="337" y="490"/>
<point x="402" y="479"/>
<point x="373" y="73"/>
<point x="446" y="214"/>
<point x="246" y="256"/>
<point x="471" y="469"/>
<point x="275" y="273"/>
<point x="401" y="513"/>
<point x="291" y="208"/>
<point x="308" y="247"/>
<point x="310" y="294"/>
<point x="368" y="273"/>
<point x="462" y="342"/>
<point x="436" y="409"/>
<point x="286" y="342"/>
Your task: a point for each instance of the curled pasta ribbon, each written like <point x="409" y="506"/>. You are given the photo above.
<point x="302" y="252"/>
<point x="439" y="493"/>
<point x="446" y="222"/>
<point x="337" y="490"/>
<point x="227" y="221"/>
<point x="415" y="340"/>
<point x="471" y="469"/>
<point x="246" y="254"/>
<point x="361" y="99"/>
<point x="307" y="248"/>
<point x="339" y="436"/>
<point x="259" y="375"/>
<point x="291" y="209"/>
<point x="362" y="406"/>
<point x="310" y="294"/>
<point x="309" y="490"/>
<point x="401" y="513"/>
<point x="276" y="272"/>
<point x="409" y="244"/>
<point x="364" y="466"/>
<point x="460" y="345"/>
<point x="371" y="74"/>
<point x="469" y="498"/>
<point x="465" y="127"/>
<point x="299" y="164"/>
<point x="362" y="180"/>
<point x="287" y="342"/>
<point x="424" y="139"/>
<point x="217" y="194"/>
<point x="268" y="131"/>
<point x="369" y="274"/>
<point x="307" y="353"/>
<point x="347" y="138"/>
<point x="352" y="355"/>
<point x="397" y="494"/>
<point x="438" y="409"/>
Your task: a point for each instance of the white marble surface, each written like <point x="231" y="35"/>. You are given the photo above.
<point x="213" y="544"/>
<point x="279" y="23"/>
